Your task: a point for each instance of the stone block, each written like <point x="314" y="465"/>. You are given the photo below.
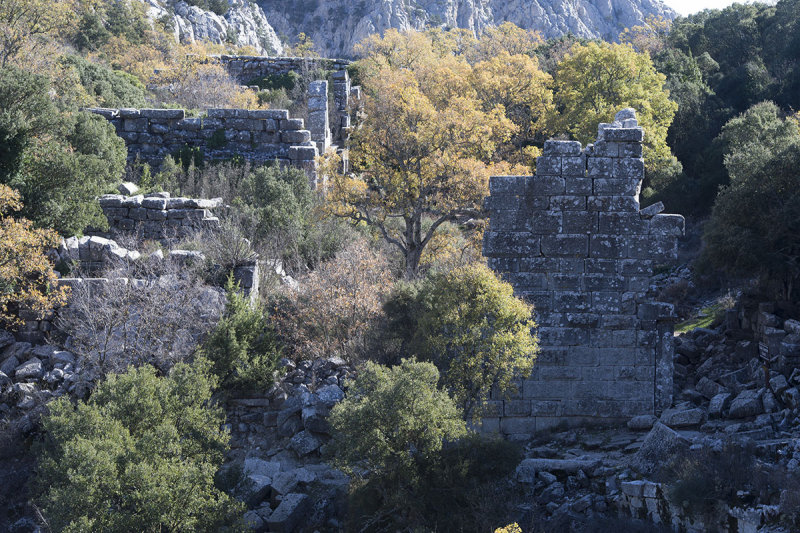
<point x="620" y="204"/>
<point x="603" y="282"/>
<point x="672" y="225"/>
<point x="600" y="167"/>
<point x="581" y="186"/>
<point x="628" y="168"/>
<point x="616" y="186"/>
<point x="127" y="112"/>
<point x="517" y="408"/>
<point x="544" y="222"/>
<point x="655" y="247"/>
<point x="548" y="166"/>
<point x="600" y="266"/>
<point x="268" y="114"/>
<point x="719" y="404"/>
<point x="164" y="114"/>
<point x="575" y="302"/>
<point x="292" y="124"/>
<point x="546" y="185"/>
<point x="746" y="404"/>
<point x="511" y="243"/>
<point x="574" y="166"/>
<point x="565" y="245"/>
<point x="608" y="246"/>
<point x="554" y="147"/>
<point x="605" y="149"/>
<point x="629" y="149"/>
<point x="155" y="203"/>
<point x="302" y="153"/>
<point x="289" y="513"/>
<point x="508" y="184"/>
<point x="624" y="135"/>
<point x="579" y="222"/>
<point x="135" y="124"/>
<point x="296" y="137"/>
<point x="568" y="203"/>
<point x="621" y="224"/>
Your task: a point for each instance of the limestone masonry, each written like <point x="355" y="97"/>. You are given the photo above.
<point x="255" y="134"/>
<point x="572" y="241"/>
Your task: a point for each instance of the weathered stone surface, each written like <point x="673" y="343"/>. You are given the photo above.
<point x="31" y="369"/>
<point x="658" y="447"/>
<point x="719" y="404"/>
<point x="679" y="418"/>
<point x="642" y="422"/>
<point x="746" y="404"/>
<point x="304" y="443"/>
<point x="286" y="517"/>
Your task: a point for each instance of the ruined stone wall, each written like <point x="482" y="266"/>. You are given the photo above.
<point x="572" y="241"/>
<point x="157" y="216"/>
<point x="245" y="69"/>
<point x="255" y="134"/>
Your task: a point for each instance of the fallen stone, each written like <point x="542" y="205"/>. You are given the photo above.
<point x="128" y="188"/>
<point x="6" y="339"/>
<point x="63" y="357"/>
<point x="642" y="422"/>
<point x="652" y="210"/>
<point x="260" y="467"/>
<point x="316" y="419"/>
<point x="564" y="466"/>
<point x="330" y="395"/>
<point x="287" y="516"/>
<point x="719" y="404"/>
<point x="304" y="443"/>
<point x="31" y="369"/>
<point x="286" y="482"/>
<point x="658" y="447"/>
<point x="709" y="388"/>
<point x="253" y="521"/>
<point x="9" y="365"/>
<point x="5" y="381"/>
<point x="791" y="397"/>
<point x="679" y="418"/>
<point x="747" y="404"/>
<point x="778" y="383"/>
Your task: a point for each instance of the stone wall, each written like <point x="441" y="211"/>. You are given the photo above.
<point x="157" y="216"/>
<point x="246" y="69"/>
<point x="573" y="242"/>
<point x="256" y="135"/>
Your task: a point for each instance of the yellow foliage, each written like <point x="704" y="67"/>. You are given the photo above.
<point x="505" y="38"/>
<point x="596" y="80"/>
<point x="650" y="37"/>
<point x="27" y="279"/>
<point x="26" y="26"/>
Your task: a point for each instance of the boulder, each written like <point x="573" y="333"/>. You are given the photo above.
<point x="6" y="339"/>
<point x="661" y="444"/>
<point x="778" y="384"/>
<point x="5" y="381"/>
<point x="642" y="422"/>
<point x="286" y="482"/>
<point x="746" y="404"/>
<point x="286" y="517"/>
<point x="29" y="370"/>
<point x="304" y="443"/>
<point x="9" y="365"/>
<point x="128" y="188"/>
<point x="679" y="418"/>
<point x="316" y="419"/>
<point x="719" y="404"/>
<point x="709" y="388"/>
<point x="330" y="395"/>
<point x="260" y="467"/>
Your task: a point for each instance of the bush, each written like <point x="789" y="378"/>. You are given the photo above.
<point x="334" y="309"/>
<point x="477" y="333"/>
<point x="392" y="419"/>
<point x="107" y="87"/>
<point x="27" y="279"/>
<point x="140" y="455"/>
<point x="242" y="347"/>
<point x="415" y="467"/>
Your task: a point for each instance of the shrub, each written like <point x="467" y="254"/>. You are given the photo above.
<point x="107" y="87"/>
<point x="392" y="420"/>
<point x="140" y="455"/>
<point x="242" y="347"/>
<point x="159" y="320"/>
<point x="334" y="308"/>
<point x="27" y="279"/>
<point x="477" y="333"/>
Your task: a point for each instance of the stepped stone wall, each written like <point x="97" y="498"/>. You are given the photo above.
<point x="157" y="216"/>
<point x="254" y="134"/>
<point x="573" y="241"/>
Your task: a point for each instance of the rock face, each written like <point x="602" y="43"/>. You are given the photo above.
<point x="244" y="24"/>
<point x="336" y="25"/>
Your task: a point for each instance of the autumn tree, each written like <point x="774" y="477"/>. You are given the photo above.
<point x="27" y="279"/>
<point x="26" y="25"/>
<point x="422" y="150"/>
<point x="651" y="36"/>
<point x="596" y="80"/>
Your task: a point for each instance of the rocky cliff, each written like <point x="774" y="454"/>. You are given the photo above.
<point x="336" y="25"/>
<point x="244" y="24"/>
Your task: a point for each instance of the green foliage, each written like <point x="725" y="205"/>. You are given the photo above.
<point x="477" y="333"/>
<point x="139" y="455"/>
<point x="414" y="464"/>
<point x="755" y="224"/>
<point x="60" y="162"/>
<point x="392" y="420"/>
<point x="273" y="82"/>
<point x="217" y="140"/>
<point x="190" y="156"/>
<point x="108" y="88"/>
<point x="242" y="347"/>
<point x="220" y="7"/>
<point x="105" y="19"/>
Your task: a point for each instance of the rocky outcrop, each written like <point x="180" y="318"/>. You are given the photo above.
<point x="336" y="25"/>
<point x="244" y="24"/>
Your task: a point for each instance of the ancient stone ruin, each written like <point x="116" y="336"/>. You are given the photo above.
<point x="573" y="242"/>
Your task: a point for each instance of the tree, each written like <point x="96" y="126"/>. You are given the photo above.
<point x="25" y="25"/>
<point x="27" y="279"/>
<point x="650" y="37"/>
<point x="58" y="161"/>
<point x="242" y="347"/>
<point x="755" y="223"/>
<point x="393" y="418"/>
<point x="106" y="87"/>
<point x="139" y="455"/>
<point x="477" y="333"/>
<point x="421" y="148"/>
<point x="596" y="80"/>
